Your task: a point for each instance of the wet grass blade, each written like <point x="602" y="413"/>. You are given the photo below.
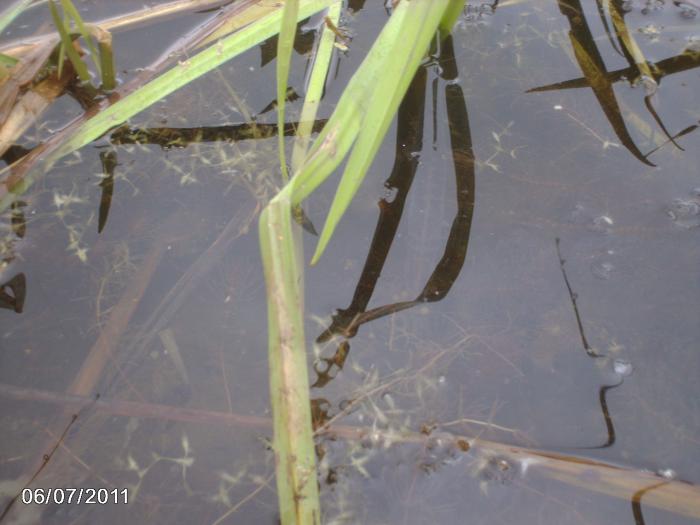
<point x="255" y="12"/>
<point x="63" y="28"/>
<point x="181" y="75"/>
<point x="12" y="12"/>
<point x="603" y="7"/>
<point x="123" y="21"/>
<point x="6" y="63"/>
<point x="30" y="106"/>
<point x="362" y="117"/>
<point x="630" y="47"/>
<point x="285" y="45"/>
<point x="339" y="134"/>
<point x="314" y="91"/>
<point x="89" y="128"/>
<point x="21" y="75"/>
<point x="593" y="67"/>
<point x="295" y="459"/>
<point x="73" y="14"/>
<point x="604" y="92"/>
<point x="390" y="68"/>
<point x="104" y="42"/>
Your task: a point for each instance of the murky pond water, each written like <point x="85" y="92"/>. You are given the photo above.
<point x="504" y="329"/>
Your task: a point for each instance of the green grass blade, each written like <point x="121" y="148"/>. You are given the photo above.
<point x="285" y="44"/>
<point x="72" y="13"/>
<point x="450" y="17"/>
<point x="295" y="459"/>
<point x="183" y="74"/>
<point x="417" y="28"/>
<point x="109" y="78"/>
<point x="341" y="130"/>
<point x="67" y="44"/>
<point x="157" y="89"/>
<point x="12" y="12"/>
<point x="362" y="117"/>
<point x="7" y="61"/>
<point x="314" y="91"/>
<point x="104" y="41"/>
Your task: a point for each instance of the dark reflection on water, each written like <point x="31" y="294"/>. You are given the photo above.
<point x="563" y="338"/>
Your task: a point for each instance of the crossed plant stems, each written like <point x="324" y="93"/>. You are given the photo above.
<point x="601" y="81"/>
<point x="409" y="143"/>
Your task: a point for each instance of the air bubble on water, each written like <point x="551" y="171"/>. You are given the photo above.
<point x="585" y="217"/>
<point x="649" y="84"/>
<point x="442" y="380"/>
<point x="622" y="367"/>
<point x="627" y="6"/>
<point x="602" y="269"/>
<point x="667" y="473"/>
<point x="498" y="470"/>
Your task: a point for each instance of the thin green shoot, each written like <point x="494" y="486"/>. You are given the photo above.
<point x="314" y="91"/>
<point x="73" y="14"/>
<point x="285" y="45"/>
<point x="63" y="28"/>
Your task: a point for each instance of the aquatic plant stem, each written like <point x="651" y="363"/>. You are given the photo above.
<point x="295" y="459"/>
<point x="285" y="45"/>
<point x="314" y="91"/>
